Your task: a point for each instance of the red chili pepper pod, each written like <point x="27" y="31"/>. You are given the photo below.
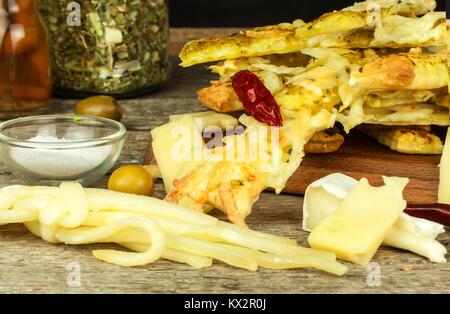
<point x="439" y="213"/>
<point x="257" y="99"/>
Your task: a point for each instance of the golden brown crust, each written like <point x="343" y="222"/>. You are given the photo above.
<point x="348" y="28"/>
<point x="324" y="142"/>
<point x="406" y="140"/>
<point x="256" y="42"/>
<point x="404" y="71"/>
<point x="333" y="22"/>
<point x="220" y="97"/>
<point x="390" y="72"/>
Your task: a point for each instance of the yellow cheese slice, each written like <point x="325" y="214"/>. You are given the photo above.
<point x="444" y="176"/>
<point x="174" y="144"/>
<point x="359" y="225"/>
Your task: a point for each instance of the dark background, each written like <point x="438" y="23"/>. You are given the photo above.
<point x="247" y="13"/>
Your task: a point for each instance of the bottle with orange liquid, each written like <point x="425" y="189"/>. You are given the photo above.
<point x="25" y="67"/>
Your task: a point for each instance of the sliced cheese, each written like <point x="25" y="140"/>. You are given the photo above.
<point x="444" y="177"/>
<point x="412" y="234"/>
<point x="174" y="144"/>
<point x="359" y="225"/>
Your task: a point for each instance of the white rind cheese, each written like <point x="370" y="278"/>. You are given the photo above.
<point x="323" y="196"/>
<point x="416" y="235"/>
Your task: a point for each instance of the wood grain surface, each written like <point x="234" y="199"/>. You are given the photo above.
<point x="30" y="265"/>
<point x="360" y="157"/>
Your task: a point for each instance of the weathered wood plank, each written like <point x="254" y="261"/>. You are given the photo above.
<point x="362" y="157"/>
<point x="30" y="265"/>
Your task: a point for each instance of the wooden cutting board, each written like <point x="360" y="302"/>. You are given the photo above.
<point x="360" y="157"/>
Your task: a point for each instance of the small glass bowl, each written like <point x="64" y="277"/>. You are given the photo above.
<point x="47" y="150"/>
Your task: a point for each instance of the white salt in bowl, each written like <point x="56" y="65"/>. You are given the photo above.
<point x="47" y="150"/>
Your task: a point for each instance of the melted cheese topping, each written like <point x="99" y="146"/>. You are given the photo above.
<point x="401" y="7"/>
<point x="410" y="114"/>
<point x="390" y="99"/>
<point x="397" y="30"/>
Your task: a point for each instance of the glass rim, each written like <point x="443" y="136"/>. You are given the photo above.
<point x="71" y="118"/>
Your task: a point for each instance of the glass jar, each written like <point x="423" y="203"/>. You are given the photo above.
<point x="112" y="47"/>
<point x="25" y="74"/>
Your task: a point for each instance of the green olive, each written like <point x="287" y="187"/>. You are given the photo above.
<point x="100" y="106"/>
<point x="132" y="180"/>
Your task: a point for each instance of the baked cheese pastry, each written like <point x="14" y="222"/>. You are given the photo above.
<point x="406" y="140"/>
<point x="402" y="23"/>
<point x="379" y="65"/>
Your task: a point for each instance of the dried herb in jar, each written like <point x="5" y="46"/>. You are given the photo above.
<point x="120" y="46"/>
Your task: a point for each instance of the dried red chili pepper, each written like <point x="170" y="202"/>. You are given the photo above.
<point x="257" y="99"/>
<point x="439" y="213"/>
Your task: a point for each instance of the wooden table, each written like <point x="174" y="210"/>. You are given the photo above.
<point x="29" y="265"/>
